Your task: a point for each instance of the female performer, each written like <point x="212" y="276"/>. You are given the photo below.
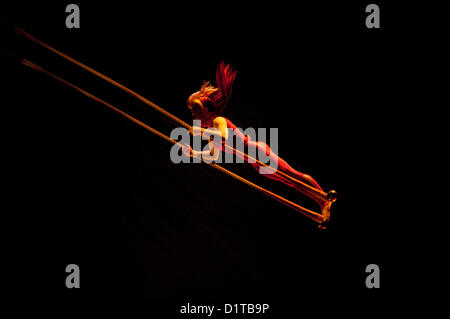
<point x="208" y="104"/>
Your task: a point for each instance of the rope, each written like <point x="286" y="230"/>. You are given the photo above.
<point x="313" y="215"/>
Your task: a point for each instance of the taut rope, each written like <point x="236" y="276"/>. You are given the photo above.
<point x="314" y="216"/>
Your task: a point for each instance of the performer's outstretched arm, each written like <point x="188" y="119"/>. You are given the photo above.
<point x="209" y="155"/>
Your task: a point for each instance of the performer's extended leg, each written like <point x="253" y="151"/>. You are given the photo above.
<point x="284" y="167"/>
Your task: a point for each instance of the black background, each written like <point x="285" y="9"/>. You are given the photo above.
<point x="86" y="186"/>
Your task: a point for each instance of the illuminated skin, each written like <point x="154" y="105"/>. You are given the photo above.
<point x="206" y="105"/>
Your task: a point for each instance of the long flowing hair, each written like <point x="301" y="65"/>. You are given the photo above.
<point x="213" y="100"/>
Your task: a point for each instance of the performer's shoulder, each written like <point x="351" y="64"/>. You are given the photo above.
<point x="221" y="120"/>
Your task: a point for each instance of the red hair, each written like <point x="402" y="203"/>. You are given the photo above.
<point x="213" y="99"/>
<point x="224" y="79"/>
